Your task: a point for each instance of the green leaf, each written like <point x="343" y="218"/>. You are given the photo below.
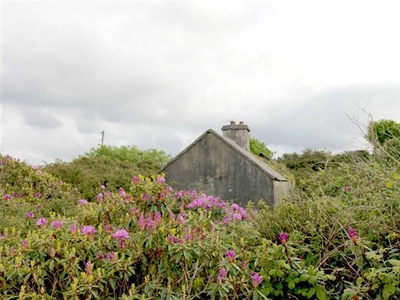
<point x="310" y="293"/>
<point x="291" y="285"/>
<point x="320" y="293"/>
<point x="304" y="277"/>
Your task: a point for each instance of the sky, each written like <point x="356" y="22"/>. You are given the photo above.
<point x="158" y="74"/>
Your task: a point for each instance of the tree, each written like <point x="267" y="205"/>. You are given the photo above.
<point x="384" y="135"/>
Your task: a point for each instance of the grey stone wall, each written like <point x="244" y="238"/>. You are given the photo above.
<point x="215" y="168"/>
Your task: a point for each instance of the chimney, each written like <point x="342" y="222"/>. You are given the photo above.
<point x="239" y="133"/>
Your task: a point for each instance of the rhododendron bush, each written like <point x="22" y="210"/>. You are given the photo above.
<point x="151" y="242"/>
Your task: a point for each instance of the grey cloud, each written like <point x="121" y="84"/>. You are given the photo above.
<point x="40" y="118"/>
<point x="326" y="119"/>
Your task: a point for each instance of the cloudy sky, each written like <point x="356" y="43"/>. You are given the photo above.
<point x="301" y="74"/>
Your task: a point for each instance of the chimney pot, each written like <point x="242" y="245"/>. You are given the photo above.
<point x="233" y="122"/>
<point x="241" y="122"/>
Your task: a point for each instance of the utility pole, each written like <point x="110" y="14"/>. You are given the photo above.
<point x="102" y="138"/>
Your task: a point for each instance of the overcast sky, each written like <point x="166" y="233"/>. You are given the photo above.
<point x="158" y="74"/>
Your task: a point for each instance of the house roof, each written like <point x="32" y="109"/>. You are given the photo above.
<point x="239" y="150"/>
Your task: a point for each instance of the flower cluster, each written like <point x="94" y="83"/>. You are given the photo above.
<point x="83" y="202"/>
<point x="150" y="222"/>
<point x="283" y="238"/>
<point x="88" y="230"/>
<point x="353" y="235"/>
<point x="42" y="222"/>
<point x="222" y="274"/>
<point x="256" y="279"/>
<point x="230" y="255"/>
<point x="206" y="202"/>
<point x="57" y="224"/>
<point x="121" y="234"/>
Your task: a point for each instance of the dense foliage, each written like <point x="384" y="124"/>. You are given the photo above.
<point x="337" y="238"/>
<point x="385" y="136"/>
<point x="107" y="165"/>
<point x="24" y="189"/>
<point x="258" y="147"/>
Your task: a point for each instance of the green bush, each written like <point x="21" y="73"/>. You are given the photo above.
<point x="109" y="166"/>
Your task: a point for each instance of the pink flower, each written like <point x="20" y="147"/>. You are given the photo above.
<point x="99" y="197"/>
<point x="102" y="187"/>
<point x="107" y="228"/>
<point x="83" y="202"/>
<point x="110" y="256"/>
<point x="135" y="179"/>
<point x="142" y="222"/>
<point x="223" y="273"/>
<point x="230" y="255"/>
<point x="121" y="234"/>
<point x="158" y="218"/>
<point x="24" y="244"/>
<point x="181" y="219"/>
<point x="56" y="224"/>
<point x="30" y="215"/>
<point x="160" y="180"/>
<point x="88" y="268"/>
<point x="256" y="279"/>
<point x="283" y="237"/>
<point x="122" y="192"/>
<point x="88" y="230"/>
<point x="173" y="240"/>
<point x="73" y="228"/>
<point x="37" y="195"/>
<point x="42" y="222"/>
<point x="353" y="235"/>
<point x="7" y="197"/>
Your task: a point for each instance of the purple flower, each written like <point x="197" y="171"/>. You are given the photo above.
<point x="160" y="180"/>
<point x="42" y="222"/>
<point x="7" y="197"/>
<point x="37" y="195"/>
<point x="230" y="255"/>
<point x="121" y="234"/>
<point x="57" y="224"/>
<point x="173" y="240"/>
<point x="283" y="238"/>
<point x="142" y="222"/>
<point x="110" y="256"/>
<point x="83" y="202"/>
<point x="223" y="273"/>
<point x="24" y="244"/>
<point x="107" y="228"/>
<point x="88" y="230"/>
<point x="30" y="215"/>
<point x="99" y="197"/>
<point x="73" y="228"/>
<point x="158" y="218"/>
<point x="88" y="268"/>
<point x="256" y="279"/>
<point x="181" y="219"/>
<point x="135" y="179"/>
<point x="122" y="192"/>
<point x="353" y="235"/>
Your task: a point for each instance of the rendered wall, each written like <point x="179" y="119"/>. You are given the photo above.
<point x="214" y="168"/>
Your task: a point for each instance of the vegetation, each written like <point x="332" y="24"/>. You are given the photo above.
<point x="258" y="148"/>
<point x="337" y="238"/>
<point x="385" y="136"/>
<point x="109" y="166"/>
